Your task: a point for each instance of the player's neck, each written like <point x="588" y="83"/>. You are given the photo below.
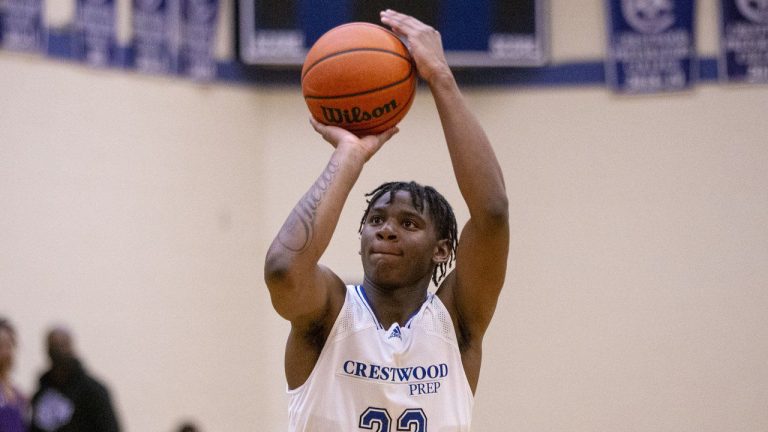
<point x="395" y="305"/>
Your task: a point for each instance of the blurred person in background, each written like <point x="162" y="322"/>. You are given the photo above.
<point x="188" y="427"/>
<point x="13" y="406"/>
<point x="68" y="398"/>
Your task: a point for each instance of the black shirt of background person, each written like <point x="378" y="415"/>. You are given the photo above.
<point x="77" y="404"/>
<point x="68" y="398"/>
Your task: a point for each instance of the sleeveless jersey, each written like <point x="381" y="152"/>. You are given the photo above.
<point x="404" y="378"/>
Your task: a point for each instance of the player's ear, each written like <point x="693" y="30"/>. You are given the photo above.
<point x="442" y="251"/>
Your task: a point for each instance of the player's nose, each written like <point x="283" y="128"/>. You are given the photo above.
<point x="386" y="231"/>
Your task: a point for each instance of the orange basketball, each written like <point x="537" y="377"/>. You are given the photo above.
<point x="360" y="77"/>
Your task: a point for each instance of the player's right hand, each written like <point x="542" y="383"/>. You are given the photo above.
<point x="424" y="43"/>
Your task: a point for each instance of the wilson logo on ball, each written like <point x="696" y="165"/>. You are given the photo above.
<point x="356" y="114"/>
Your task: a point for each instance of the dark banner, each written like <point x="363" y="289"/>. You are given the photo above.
<point x="476" y="33"/>
<point x="94" y="36"/>
<point x="744" y="41"/>
<point x="651" y="45"/>
<point x="21" y="24"/>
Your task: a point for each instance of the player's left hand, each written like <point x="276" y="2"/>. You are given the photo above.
<point x="342" y="138"/>
<point x="423" y="41"/>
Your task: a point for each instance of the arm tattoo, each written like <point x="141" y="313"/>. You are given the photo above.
<point x="297" y="232"/>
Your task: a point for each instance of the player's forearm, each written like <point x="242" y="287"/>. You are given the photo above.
<point x="307" y="231"/>
<point x="477" y="170"/>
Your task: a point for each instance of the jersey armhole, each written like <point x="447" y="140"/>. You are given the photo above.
<point x="329" y="340"/>
<point x="447" y="321"/>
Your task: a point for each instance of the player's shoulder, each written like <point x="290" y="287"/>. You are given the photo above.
<point x="446" y="293"/>
<point x="336" y="291"/>
<point x="336" y="288"/>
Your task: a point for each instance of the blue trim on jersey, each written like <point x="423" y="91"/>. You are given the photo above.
<point x="364" y="297"/>
<point x="416" y="312"/>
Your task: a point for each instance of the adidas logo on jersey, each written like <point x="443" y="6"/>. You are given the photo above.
<point x="396" y="333"/>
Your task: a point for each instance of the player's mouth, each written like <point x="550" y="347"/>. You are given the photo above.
<point x="385" y="252"/>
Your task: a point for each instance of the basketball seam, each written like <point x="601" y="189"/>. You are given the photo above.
<point x="322" y="59"/>
<point x="413" y="93"/>
<point x="368" y="24"/>
<point x="410" y="73"/>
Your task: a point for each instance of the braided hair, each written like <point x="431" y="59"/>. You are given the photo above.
<point x="439" y="210"/>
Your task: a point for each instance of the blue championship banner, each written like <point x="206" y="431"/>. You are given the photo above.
<point x="94" y="36"/>
<point x="152" y="32"/>
<point x="197" y="34"/>
<point x="22" y="25"/>
<point x="744" y="41"/>
<point x="651" y="45"/>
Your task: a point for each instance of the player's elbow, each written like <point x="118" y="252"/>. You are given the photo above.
<point x="496" y="211"/>
<point x="278" y="276"/>
<point x="277" y="269"/>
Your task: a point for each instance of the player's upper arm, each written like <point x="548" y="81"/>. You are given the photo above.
<point x="481" y="264"/>
<point x="299" y="293"/>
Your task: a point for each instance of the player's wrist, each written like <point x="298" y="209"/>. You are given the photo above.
<point x="351" y="152"/>
<point x="441" y="79"/>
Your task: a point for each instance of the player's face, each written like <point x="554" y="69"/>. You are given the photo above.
<point x="59" y="347"/>
<point x="398" y="243"/>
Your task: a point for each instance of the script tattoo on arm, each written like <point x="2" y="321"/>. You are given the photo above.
<point x="298" y="230"/>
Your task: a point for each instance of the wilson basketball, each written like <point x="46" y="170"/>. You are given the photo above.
<point x="360" y="77"/>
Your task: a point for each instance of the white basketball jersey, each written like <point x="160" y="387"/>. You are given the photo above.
<point x="404" y="378"/>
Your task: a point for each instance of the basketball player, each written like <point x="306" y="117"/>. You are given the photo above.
<point x="389" y="355"/>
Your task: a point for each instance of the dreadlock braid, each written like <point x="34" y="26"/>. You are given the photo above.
<point x="439" y="210"/>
